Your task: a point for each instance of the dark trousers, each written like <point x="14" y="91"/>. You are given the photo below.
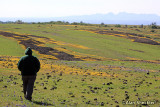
<point x="28" y="84"/>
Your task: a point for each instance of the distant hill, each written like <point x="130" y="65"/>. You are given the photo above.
<point x="110" y="18"/>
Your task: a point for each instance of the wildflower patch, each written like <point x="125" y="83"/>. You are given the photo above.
<point x="38" y="45"/>
<point x="132" y="36"/>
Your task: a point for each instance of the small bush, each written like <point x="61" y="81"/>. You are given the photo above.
<point x="152" y="30"/>
<point x="141" y="26"/>
<point x="154" y="26"/>
<point x="118" y="25"/>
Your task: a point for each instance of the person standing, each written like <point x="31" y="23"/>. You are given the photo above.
<point x="29" y="65"/>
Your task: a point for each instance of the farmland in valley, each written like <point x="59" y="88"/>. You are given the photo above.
<point x="82" y="65"/>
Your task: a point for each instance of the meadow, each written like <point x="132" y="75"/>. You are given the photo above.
<point x="82" y="66"/>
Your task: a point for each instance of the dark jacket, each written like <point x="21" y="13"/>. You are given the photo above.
<point x="29" y="65"/>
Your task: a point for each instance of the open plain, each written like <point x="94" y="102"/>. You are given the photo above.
<point x="82" y="65"/>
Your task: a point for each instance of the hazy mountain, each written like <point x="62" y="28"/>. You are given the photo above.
<point x="110" y="18"/>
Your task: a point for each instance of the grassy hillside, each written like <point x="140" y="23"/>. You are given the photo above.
<point x="82" y="66"/>
<point x="10" y="47"/>
<point x="106" y="45"/>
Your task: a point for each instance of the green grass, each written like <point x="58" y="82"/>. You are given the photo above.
<point x="81" y="90"/>
<point x="111" y="47"/>
<point x="101" y="45"/>
<point x="10" y="47"/>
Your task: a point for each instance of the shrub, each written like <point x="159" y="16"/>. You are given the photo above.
<point x="152" y="30"/>
<point x="141" y="26"/>
<point x="154" y="25"/>
<point x="118" y="25"/>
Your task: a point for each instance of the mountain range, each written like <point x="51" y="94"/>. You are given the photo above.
<point x="109" y="18"/>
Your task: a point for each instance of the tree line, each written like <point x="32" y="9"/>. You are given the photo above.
<point x="153" y="25"/>
<point x="51" y="22"/>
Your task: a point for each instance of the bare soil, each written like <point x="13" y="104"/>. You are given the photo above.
<point x="135" y="37"/>
<point x="28" y="41"/>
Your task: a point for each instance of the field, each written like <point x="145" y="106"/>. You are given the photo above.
<point x="82" y="66"/>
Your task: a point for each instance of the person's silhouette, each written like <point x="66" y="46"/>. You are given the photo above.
<point x="29" y="66"/>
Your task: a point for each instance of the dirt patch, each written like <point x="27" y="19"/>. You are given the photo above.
<point x="144" y="40"/>
<point x="132" y="36"/>
<point x="138" y="30"/>
<point x="137" y="50"/>
<point x="1" y="59"/>
<point x="45" y="32"/>
<point x="28" y="41"/>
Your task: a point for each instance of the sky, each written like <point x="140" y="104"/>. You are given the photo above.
<point x="60" y="8"/>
